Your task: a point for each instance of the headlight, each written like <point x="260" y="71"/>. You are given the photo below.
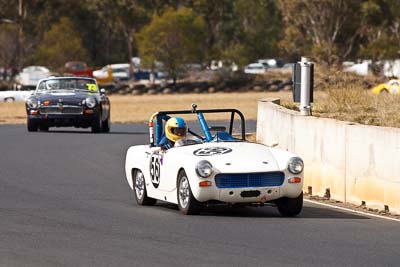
<point x="90" y="102"/>
<point x="295" y="165"/>
<point x="204" y="168"/>
<point x="32" y="103"/>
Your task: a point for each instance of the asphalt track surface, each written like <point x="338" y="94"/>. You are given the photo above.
<point x="64" y="201"/>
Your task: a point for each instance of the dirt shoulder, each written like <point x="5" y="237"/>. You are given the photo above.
<point x="351" y="207"/>
<point x="131" y="109"/>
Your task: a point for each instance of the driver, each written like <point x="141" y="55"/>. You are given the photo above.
<point x="175" y="133"/>
<point x="52" y="85"/>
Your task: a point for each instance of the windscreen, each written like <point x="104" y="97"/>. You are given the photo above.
<point x="68" y="84"/>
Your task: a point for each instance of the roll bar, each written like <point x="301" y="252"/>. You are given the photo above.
<point x="159" y="116"/>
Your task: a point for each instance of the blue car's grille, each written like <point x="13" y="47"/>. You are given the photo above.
<point x="242" y="180"/>
<point x="55" y="110"/>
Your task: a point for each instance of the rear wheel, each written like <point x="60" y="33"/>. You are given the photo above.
<point x="139" y="186"/>
<point x="32" y="125"/>
<point x="188" y="205"/>
<point x="290" y="207"/>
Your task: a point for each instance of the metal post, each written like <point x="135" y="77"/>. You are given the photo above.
<point x="305" y="106"/>
<point x="20" y="35"/>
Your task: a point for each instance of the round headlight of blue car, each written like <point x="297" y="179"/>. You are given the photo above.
<point x="295" y="165"/>
<point x="204" y="168"/>
<point x="90" y="102"/>
<point x="32" y="103"/>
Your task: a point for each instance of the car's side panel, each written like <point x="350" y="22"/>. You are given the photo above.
<point x="148" y="160"/>
<point x="137" y="158"/>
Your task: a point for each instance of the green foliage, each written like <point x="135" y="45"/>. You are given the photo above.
<point x="117" y="21"/>
<point x="329" y="28"/>
<point x="8" y="47"/>
<point x="383" y="34"/>
<point x="260" y="28"/>
<point x="60" y="44"/>
<point x="175" y="38"/>
<point x="384" y="46"/>
<point x="242" y="31"/>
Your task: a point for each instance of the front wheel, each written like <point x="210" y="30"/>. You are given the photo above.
<point x="105" y="125"/>
<point x="43" y="128"/>
<point x="188" y="205"/>
<point x="32" y="126"/>
<point x="97" y="124"/>
<point x="290" y="207"/>
<point x="139" y="187"/>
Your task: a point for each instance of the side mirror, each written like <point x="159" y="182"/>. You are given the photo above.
<point x="102" y="91"/>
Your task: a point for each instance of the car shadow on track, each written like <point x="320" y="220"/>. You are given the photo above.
<point x="268" y="212"/>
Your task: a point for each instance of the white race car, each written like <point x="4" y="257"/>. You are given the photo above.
<point x="214" y="166"/>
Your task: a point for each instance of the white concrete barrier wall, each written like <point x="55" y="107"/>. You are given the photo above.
<point x="355" y="162"/>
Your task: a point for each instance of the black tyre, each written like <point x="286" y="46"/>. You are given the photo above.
<point x="187" y="204"/>
<point x="139" y="187"/>
<point x="290" y="207"/>
<point x="32" y="126"/>
<point x="106" y="125"/>
<point x="43" y="128"/>
<point x="97" y="124"/>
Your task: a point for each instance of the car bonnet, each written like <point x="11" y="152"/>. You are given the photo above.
<point x="67" y="97"/>
<point x="231" y="156"/>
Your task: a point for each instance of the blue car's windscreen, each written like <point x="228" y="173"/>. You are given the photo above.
<point x="68" y="84"/>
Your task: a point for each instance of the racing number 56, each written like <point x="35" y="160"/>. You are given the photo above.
<point x="155" y="170"/>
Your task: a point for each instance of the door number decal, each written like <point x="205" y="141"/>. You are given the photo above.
<point x="155" y="169"/>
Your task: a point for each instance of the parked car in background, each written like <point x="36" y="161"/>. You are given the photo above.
<point x="392" y="87"/>
<point x="68" y="101"/>
<point x="255" y="68"/>
<point x="77" y="68"/>
<point x="15" y="95"/>
<point x="29" y="76"/>
<point x="119" y="72"/>
<point x="272" y="62"/>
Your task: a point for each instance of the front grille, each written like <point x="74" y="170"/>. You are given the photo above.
<point x="243" y="180"/>
<point x="54" y="110"/>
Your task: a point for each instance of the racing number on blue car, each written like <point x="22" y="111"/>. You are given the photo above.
<point x="155" y="170"/>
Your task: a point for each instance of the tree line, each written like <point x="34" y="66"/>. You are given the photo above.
<point x="177" y="32"/>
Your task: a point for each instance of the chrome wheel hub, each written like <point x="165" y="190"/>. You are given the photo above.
<point x="139" y="185"/>
<point x="184" y="192"/>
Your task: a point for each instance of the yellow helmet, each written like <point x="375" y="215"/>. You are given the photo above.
<point x="175" y="129"/>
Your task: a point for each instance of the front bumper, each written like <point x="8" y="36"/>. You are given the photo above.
<point x="245" y="195"/>
<point x="64" y="120"/>
<point x="248" y="195"/>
